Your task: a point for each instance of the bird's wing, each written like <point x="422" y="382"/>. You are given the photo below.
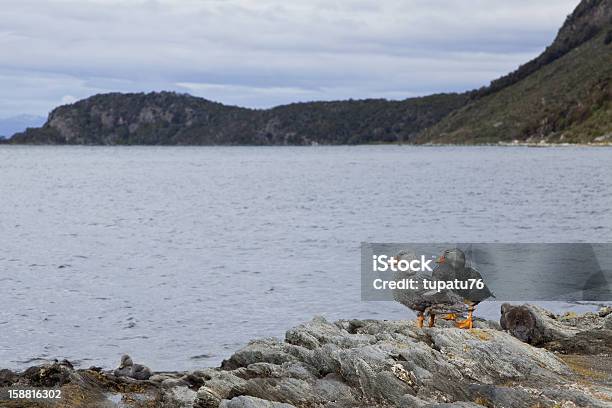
<point x="443" y="272"/>
<point x="475" y="294"/>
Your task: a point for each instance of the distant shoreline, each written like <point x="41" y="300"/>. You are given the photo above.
<point x="500" y="144"/>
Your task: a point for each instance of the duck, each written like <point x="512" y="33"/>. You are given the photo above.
<point x="127" y="368"/>
<point x="421" y="300"/>
<point x="451" y="265"/>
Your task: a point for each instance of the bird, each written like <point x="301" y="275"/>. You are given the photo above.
<point x="423" y="300"/>
<point x="451" y="266"/>
<point x="127" y="368"/>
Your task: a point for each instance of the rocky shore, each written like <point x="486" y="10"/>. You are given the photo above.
<point x="351" y="363"/>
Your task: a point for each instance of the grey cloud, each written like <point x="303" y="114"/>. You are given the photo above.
<point x="265" y="52"/>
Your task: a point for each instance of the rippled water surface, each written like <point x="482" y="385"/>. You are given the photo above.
<point x="181" y="255"/>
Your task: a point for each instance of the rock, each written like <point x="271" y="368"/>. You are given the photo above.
<point x="371" y="363"/>
<point x="159" y="378"/>
<point x="589" y="333"/>
<point x="289" y="390"/>
<point x="319" y="332"/>
<point x="7" y="378"/>
<point x="252" y="402"/>
<point x="173" y="382"/>
<point x="607" y="322"/>
<point x="475" y="353"/>
<point x="591" y="342"/>
<point x="207" y="398"/>
<point x="605" y="311"/>
<point x="533" y="325"/>
<point x="178" y="397"/>
<point x="221" y="385"/>
<point x="332" y="388"/>
<point x="49" y="375"/>
<point x="393" y="363"/>
<point x="265" y="350"/>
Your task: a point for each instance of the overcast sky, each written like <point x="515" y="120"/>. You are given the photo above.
<point x="261" y="53"/>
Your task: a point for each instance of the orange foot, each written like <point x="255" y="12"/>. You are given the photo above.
<point x="465" y="324"/>
<point x="450" y="316"/>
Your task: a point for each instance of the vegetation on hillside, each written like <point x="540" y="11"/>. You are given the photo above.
<point x="582" y="25"/>
<point x="564" y="95"/>
<point x="168" y="118"/>
<point x="568" y="100"/>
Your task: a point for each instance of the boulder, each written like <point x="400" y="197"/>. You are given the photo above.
<point x="589" y="333"/>
<point x="252" y="402"/>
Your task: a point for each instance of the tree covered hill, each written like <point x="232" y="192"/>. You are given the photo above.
<point x="563" y="95"/>
<point x="167" y="118"/>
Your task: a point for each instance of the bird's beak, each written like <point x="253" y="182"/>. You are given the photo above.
<point x="441" y="259"/>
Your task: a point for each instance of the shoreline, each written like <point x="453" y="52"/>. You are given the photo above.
<point x="377" y="363"/>
<point x="499" y="144"/>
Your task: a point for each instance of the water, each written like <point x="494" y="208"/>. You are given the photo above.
<point x="179" y="256"/>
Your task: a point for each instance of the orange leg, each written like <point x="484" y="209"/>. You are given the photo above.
<point x="469" y="322"/>
<point x="450" y="316"/>
<point x="432" y="320"/>
<point x="420" y="319"/>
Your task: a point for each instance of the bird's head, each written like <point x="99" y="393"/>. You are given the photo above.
<point x="453" y="257"/>
<point x="126" y="361"/>
<point x="404" y="255"/>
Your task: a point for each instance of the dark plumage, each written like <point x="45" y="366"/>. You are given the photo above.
<point x="127" y="368"/>
<point x="424" y="300"/>
<point x="451" y="267"/>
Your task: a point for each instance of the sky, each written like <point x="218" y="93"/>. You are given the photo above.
<point x="262" y="53"/>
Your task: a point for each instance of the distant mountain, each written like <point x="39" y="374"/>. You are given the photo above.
<point x="167" y="118"/>
<point x="19" y="123"/>
<point x="564" y="95"/>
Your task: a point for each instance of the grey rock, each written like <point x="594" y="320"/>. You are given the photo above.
<point x="605" y="311"/>
<point x="266" y="350"/>
<point x="159" y="378"/>
<point x="252" y="402"/>
<point x="533" y="325"/>
<point x="475" y="353"/>
<point x="207" y="398"/>
<point x="608" y="322"/>
<point x="225" y="385"/>
<point x="589" y="333"/>
<point x="333" y="389"/>
<point x="173" y="382"/>
<point x="178" y="397"/>
<point x="7" y="377"/>
<point x="289" y="390"/>
<point x="319" y="332"/>
<point x="590" y="342"/>
<point x="370" y="363"/>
